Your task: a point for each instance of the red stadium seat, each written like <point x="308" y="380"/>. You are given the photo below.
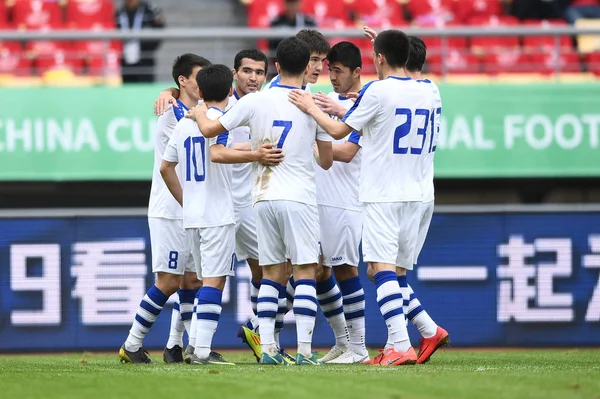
<point x="431" y="11"/>
<point x="87" y="13"/>
<point x="13" y="60"/>
<point x="593" y="63"/>
<point x="465" y="10"/>
<point x="3" y="15"/>
<point x="435" y="44"/>
<point x="508" y="61"/>
<point x="377" y="13"/>
<point x="455" y="62"/>
<point x="101" y="58"/>
<point x="262" y="12"/>
<point x="37" y="14"/>
<point x="325" y="11"/>
<point x="545" y="43"/>
<point x="484" y="44"/>
<point x="51" y="55"/>
<point x="548" y="63"/>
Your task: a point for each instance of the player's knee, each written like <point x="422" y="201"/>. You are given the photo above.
<point x="322" y="273"/>
<point x="371" y="272"/>
<point x="168" y="283"/>
<point x="400" y="271"/>
<point x="215" y="282"/>
<point x="345" y="272"/>
<point x="190" y="281"/>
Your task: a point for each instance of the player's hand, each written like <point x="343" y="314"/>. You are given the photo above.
<point x="302" y="100"/>
<point x="197" y="112"/>
<point x="352" y="96"/>
<point x="369" y="33"/>
<point x="269" y="156"/>
<point x="329" y="106"/>
<point x="163" y="101"/>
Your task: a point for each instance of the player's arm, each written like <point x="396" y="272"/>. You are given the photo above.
<point x="329" y="106"/>
<point x="304" y="101"/>
<point x="208" y="127"/>
<point x="266" y="154"/>
<point x="165" y="98"/>
<point x="324" y="154"/>
<point x="242" y="146"/>
<point x="345" y="152"/>
<point x="168" y="172"/>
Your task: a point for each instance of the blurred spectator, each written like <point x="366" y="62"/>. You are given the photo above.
<point x="291" y="17"/>
<point x="138" y="55"/>
<point x="581" y="9"/>
<point x="537" y="9"/>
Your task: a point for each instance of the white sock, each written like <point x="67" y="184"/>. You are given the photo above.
<point x="268" y="299"/>
<point x="281" y="311"/>
<point x="149" y="309"/>
<point x="389" y="299"/>
<point x="305" y="311"/>
<point x="186" y="305"/>
<point x="208" y="312"/>
<point x="193" y="325"/>
<point x="354" y="311"/>
<point x="254" y="287"/>
<point x="177" y="328"/>
<point x="415" y="312"/>
<point x="330" y="300"/>
<point x="290" y="290"/>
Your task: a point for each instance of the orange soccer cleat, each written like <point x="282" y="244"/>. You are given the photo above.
<point x="429" y="345"/>
<point x="376" y="360"/>
<point x="392" y="357"/>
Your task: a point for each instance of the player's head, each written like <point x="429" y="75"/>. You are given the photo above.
<point x="185" y="69"/>
<point x="319" y="47"/>
<point x="249" y="71"/>
<point x="345" y="64"/>
<point x="215" y="83"/>
<point x="417" y="55"/>
<point x="391" y="49"/>
<point x="293" y="56"/>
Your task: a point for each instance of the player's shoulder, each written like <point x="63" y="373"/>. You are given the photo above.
<point x="214" y="113"/>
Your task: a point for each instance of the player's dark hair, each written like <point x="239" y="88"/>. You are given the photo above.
<point x="417" y="54"/>
<point x="185" y="64"/>
<point x="215" y="82"/>
<point x="347" y="54"/>
<point x="394" y="46"/>
<point x="315" y="40"/>
<point x="253" y="54"/>
<point x="293" y="56"/>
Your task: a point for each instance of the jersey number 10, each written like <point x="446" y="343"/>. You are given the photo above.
<point x="191" y="159"/>
<point x="403" y="130"/>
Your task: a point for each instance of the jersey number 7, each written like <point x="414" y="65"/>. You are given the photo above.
<point x="287" y="126"/>
<point x="403" y="130"/>
<point x="190" y="145"/>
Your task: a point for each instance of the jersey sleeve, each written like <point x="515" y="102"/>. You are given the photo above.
<point x="170" y="154"/>
<point x="220" y="139"/>
<point x="355" y="138"/>
<point x="240" y="114"/>
<point x="165" y="125"/>
<point x="322" y="135"/>
<point x="364" y="109"/>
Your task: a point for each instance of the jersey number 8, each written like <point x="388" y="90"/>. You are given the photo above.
<point x="403" y="130"/>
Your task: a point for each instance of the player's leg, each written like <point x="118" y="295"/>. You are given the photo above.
<point x="384" y="238"/>
<point x="217" y="246"/>
<point x="272" y="259"/>
<point x="193" y="237"/>
<point x="302" y="236"/>
<point x="165" y="263"/>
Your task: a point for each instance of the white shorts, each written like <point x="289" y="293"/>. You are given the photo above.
<point x="287" y="229"/>
<point x="213" y="250"/>
<point x="426" y="215"/>
<point x="390" y="231"/>
<point x="246" y="243"/>
<point x="341" y="231"/>
<point x="170" y="247"/>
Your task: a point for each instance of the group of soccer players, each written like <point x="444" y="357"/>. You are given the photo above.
<point x="293" y="182"/>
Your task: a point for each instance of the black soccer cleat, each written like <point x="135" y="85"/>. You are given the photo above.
<point x="173" y="355"/>
<point x="138" y="357"/>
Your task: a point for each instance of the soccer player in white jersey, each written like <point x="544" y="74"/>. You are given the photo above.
<point x="284" y="197"/>
<point x="393" y="116"/>
<point x="207" y="202"/>
<point x="319" y="47"/>
<point x="170" y="250"/>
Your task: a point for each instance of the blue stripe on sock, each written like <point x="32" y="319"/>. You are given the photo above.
<point x="392" y="313"/>
<point x="146" y="306"/>
<point x="157" y="296"/>
<point x="304" y="311"/>
<point x="289" y="297"/>
<point x="208" y="316"/>
<point x="403" y="281"/>
<point x="272" y="283"/>
<point x="312" y="283"/>
<point x="176" y="305"/>
<point x="209" y="295"/>
<point x="282" y="309"/>
<point x="334" y="312"/>
<point x="350" y="286"/>
<point x="269" y="314"/>
<point x="185" y="316"/>
<point x="331" y="299"/>
<point x="278" y="325"/>
<point x="308" y="297"/>
<point x="187" y="296"/>
<point x="254" y="299"/>
<point x="384" y="277"/>
<point x="353" y="300"/>
<point x="414" y="313"/>
<point x="388" y="298"/>
<point x="270" y="299"/>
<point x="143" y="321"/>
<point x="354" y="315"/>
<point x="325" y="286"/>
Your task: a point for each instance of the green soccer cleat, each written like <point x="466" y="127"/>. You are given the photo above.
<point x="173" y="355"/>
<point x="138" y="357"/>
<point x="287" y="358"/>
<point x="276" y="360"/>
<point x="214" y="358"/>
<point x="302" y="360"/>
<point x="251" y="339"/>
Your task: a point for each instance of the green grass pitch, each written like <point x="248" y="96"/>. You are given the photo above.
<point x="461" y="374"/>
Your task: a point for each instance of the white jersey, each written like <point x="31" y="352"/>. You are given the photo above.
<point x="275" y="82"/>
<point x="162" y="204"/>
<point x="242" y="172"/>
<point x="338" y="186"/>
<point x="207" y="200"/>
<point x="393" y="115"/>
<point x="272" y="118"/>
<point x="432" y="138"/>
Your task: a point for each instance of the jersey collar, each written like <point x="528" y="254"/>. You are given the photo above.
<point x="237" y="97"/>
<point x="399" y="78"/>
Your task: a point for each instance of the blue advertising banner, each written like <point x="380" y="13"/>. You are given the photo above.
<point x="493" y="279"/>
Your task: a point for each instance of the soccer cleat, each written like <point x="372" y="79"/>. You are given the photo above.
<point x="275" y="360"/>
<point x="429" y="345"/>
<point x="214" y="358"/>
<point x="173" y="355"/>
<point x="334" y="353"/>
<point x="251" y="339"/>
<point x="187" y="355"/>
<point x="138" y="357"/>
<point x="376" y="360"/>
<point x="287" y="358"/>
<point x="302" y="360"/>
<point x="392" y="357"/>
<point x="349" y="357"/>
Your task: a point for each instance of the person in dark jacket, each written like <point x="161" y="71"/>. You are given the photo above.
<point x="137" y="63"/>
<point x="291" y="17"/>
